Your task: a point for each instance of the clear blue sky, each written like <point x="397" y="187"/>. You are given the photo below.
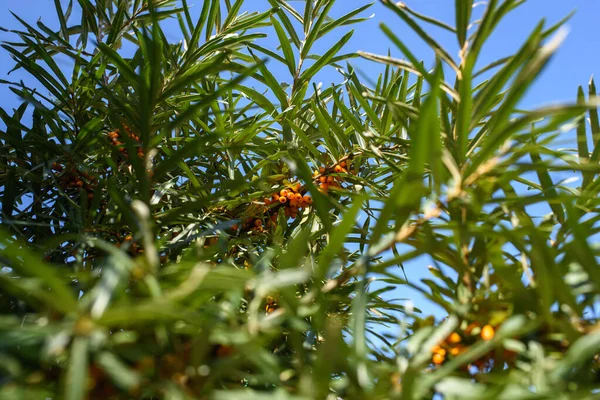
<point x="576" y="61"/>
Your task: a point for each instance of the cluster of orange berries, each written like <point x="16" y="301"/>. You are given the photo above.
<point x="256" y="224"/>
<point x="134" y="248"/>
<point x="453" y="344"/>
<point x="73" y="179"/>
<point x="327" y="181"/>
<point x="211" y="241"/>
<point x="271" y="304"/>
<point x="115" y="135"/>
<point x="291" y="198"/>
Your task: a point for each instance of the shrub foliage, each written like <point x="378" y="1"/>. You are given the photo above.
<point x="201" y="219"/>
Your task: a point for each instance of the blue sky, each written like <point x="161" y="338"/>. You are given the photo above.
<point x="575" y="62"/>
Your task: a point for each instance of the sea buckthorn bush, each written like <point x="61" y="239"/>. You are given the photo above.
<point x="187" y="213"/>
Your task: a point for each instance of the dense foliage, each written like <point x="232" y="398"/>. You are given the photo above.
<point x="178" y="223"/>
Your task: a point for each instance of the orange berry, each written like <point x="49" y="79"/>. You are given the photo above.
<point x="323" y="179"/>
<point x="293" y="202"/>
<point x="307" y="199"/>
<point x="338" y="168"/>
<point x="456" y="350"/>
<point x="284" y="192"/>
<point x="79" y="183"/>
<point x="298" y="197"/>
<point x="487" y="332"/>
<point x="283" y="200"/>
<point x="438" y="359"/>
<point x="275" y="197"/>
<point x="128" y="238"/>
<point x="267" y="202"/>
<point x="324" y="186"/>
<point x="439" y="350"/>
<point x="290" y="195"/>
<point x="454" y="338"/>
<point x="322" y="169"/>
<point x="257" y="222"/>
<point x="330" y="179"/>
<point x="343" y="164"/>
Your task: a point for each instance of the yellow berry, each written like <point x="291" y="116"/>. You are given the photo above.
<point x="487" y="332"/>
<point x="454" y="338"/>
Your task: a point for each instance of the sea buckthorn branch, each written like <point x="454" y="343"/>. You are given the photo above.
<point x="459" y="341"/>
<point x="72" y="178"/>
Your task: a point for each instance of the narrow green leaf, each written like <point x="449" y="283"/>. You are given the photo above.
<point x="315" y="29"/>
<point x="595" y="125"/>
<point x="463" y="17"/>
<point x="430" y="20"/>
<point x="281" y="5"/>
<point x="77" y="372"/>
<point x="286" y="46"/>
<point x="324" y="59"/>
<point x="27" y="263"/>
<point x="336" y="238"/>
<point x="399" y="9"/>
<point x="272" y="83"/>
<point x="343" y="20"/>
<point x="119" y="372"/>
<point x="547" y="185"/>
<point x="123" y="67"/>
<point x="91" y="128"/>
<point x="232" y="13"/>
<point x="200" y="23"/>
<point x="61" y="19"/>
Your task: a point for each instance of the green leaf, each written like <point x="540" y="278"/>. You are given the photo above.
<point x="25" y="262"/>
<point x="595" y="125"/>
<point x="341" y="21"/>
<point x="91" y="127"/>
<point x="316" y="28"/>
<point x="119" y="372"/>
<point x="463" y="17"/>
<point x="497" y="125"/>
<point x="9" y="194"/>
<point x="232" y="13"/>
<point x="272" y="83"/>
<point x="547" y="186"/>
<point x="286" y="46"/>
<point x="61" y="19"/>
<point x="77" y="372"/>
<point x="336" y="238"/>
<point x="280" y="6"/>
<point x="123" y="67"/>
<point x="399" y="9"/>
